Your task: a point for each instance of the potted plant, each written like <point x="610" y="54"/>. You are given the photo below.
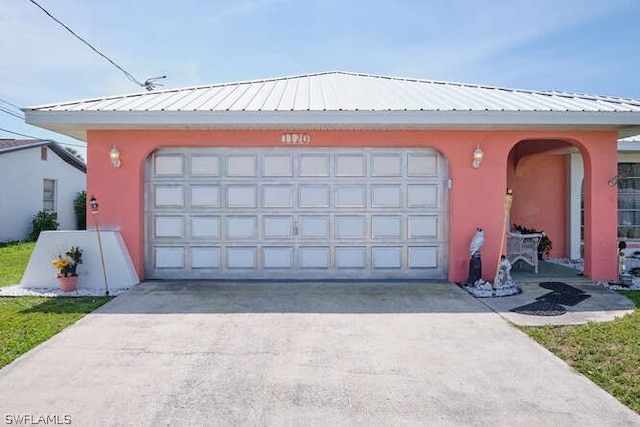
<point x="67" y="266"/>
<point x="544" y="246"/>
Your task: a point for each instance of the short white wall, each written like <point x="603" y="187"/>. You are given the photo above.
<point x="40" y="273"/>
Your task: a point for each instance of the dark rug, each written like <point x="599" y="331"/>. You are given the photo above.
<point x="551" y="304"/>
<point x="561" y="287"/>
<point x="564" y="299"/>
<point x="540" y="308"/>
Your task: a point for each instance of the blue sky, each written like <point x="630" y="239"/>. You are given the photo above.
<point x="587" y="46"/>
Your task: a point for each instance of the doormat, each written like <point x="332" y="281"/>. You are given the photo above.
<point x="552" y="303"/>
<point x="540" y="308"/>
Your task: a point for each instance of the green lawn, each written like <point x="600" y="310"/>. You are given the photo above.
<point x="607" y="353"/>
<point x="26" y="322"/>
<point x="29" y="321"/>
<point x="14" y="258"/>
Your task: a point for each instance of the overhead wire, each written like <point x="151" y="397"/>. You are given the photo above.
<point x="47" y="139"/>
<point x="148" y="84"/>
<point x="4" y="110"/>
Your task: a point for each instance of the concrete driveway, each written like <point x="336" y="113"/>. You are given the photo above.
<point x="300" y="354"/>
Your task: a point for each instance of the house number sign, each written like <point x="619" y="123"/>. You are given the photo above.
<point x="295" y="139"/>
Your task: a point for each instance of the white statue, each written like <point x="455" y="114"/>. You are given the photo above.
<point x="477" y="241"/>
<point x="504" y="272"/>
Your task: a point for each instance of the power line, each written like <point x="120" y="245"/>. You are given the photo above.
<point x="47" y="139"/>
<point x="148" y="84"/>
<point x="10" y="104"/>
<point x="4" y="110"/>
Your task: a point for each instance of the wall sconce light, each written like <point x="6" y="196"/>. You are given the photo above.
<point x="114" y="154"/>
<point x="478" y="154"/>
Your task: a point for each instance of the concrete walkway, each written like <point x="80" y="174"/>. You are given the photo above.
<point x="301" y="354"/>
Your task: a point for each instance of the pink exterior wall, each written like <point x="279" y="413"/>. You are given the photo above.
<point x="540" y="197"/>
<point x="476" y="198"/>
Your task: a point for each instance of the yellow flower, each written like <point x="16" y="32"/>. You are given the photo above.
<point x="60" y="263"/>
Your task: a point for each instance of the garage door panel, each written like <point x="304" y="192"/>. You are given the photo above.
<point x="314" y="227"/>
<point x="350" y="165"/>
<point x="350" y="196"/>
<point x="314" y="196"/>
<point x="423" y="257"/>
<point x="350" y="257"/>
<point x="314" y="165"/>
<point x="241" y="166"/>
<point x="241" y="196"/>
<point x="168" y="165"/>
<point x="386" y="196"/>
<point x="169" y="226"/>
<point x="312" y="213"/>
<point x="242" y="227"/>
<point x="169" y="257"/>
<point x="386" y="257"/>
<point x="205" y="165"/>
<point x="422" y="226"/>
<point x="278" y="257"/>
<point x="386" y="227"/>
<point x="169" y="197"/>
<point x="241" y="258"/>
<point x="278" y="227"/>
<point x="422" y="165"/>
<point x="314" y="257"/>
<point x="422" y="196"/>
<point x="350" y="227"/>
<point x="205" y="257"/>
<point x="386" y="165"/>
<point x="205" y="227"/>
<point x="277" y="196"/>
<point x="205" y="196"/>
<point x="277" y="165"/>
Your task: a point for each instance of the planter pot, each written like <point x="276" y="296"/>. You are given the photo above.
<point x="68" y="284"/>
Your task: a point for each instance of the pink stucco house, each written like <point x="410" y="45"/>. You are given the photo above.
<point x="341" y="175"/>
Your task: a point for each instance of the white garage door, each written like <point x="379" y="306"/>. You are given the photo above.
<point x="296" y="214"/>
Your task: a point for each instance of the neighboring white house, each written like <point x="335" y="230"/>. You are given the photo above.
<point x="37" y="175"/>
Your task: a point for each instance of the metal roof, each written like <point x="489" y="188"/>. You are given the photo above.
<point x="342" y="99"/>
<point x="10" y="145"/>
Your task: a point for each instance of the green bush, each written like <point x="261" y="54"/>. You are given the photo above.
<point x="42" y="221"/>
<point x="80" y="208"/>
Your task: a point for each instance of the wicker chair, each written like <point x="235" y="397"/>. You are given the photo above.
<point x="523" y="247"/>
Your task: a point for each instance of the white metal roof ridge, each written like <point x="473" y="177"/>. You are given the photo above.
<point x="340" y="91"/>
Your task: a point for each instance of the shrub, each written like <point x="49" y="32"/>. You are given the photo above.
<point x="80" y="209"/>
<point x="42" y="221"/>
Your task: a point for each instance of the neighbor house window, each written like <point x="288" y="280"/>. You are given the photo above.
<point x="49" y="195"/>
<point x="629" y="200"/>
<point x="43" y="153"/>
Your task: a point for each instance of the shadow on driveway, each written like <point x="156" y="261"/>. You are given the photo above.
<point x="295" y="297"/>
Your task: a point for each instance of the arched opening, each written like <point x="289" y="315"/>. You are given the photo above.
<point x="546" y="178"/>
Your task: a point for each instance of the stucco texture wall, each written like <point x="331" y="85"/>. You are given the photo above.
<point x="540" y="197"/>
<point x="476" y="197"/>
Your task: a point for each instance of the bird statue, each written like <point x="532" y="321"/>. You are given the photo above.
<point x="477" y="242"/>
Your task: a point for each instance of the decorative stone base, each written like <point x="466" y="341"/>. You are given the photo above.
<point x="482" y="289"/>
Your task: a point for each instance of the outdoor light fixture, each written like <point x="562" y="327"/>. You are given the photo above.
<point x="478" y="154"/>
<point x="114" y="154"/>
<point x="93" y="204"/>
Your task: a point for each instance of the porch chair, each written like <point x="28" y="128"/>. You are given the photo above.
<point x="523" y="247"/>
